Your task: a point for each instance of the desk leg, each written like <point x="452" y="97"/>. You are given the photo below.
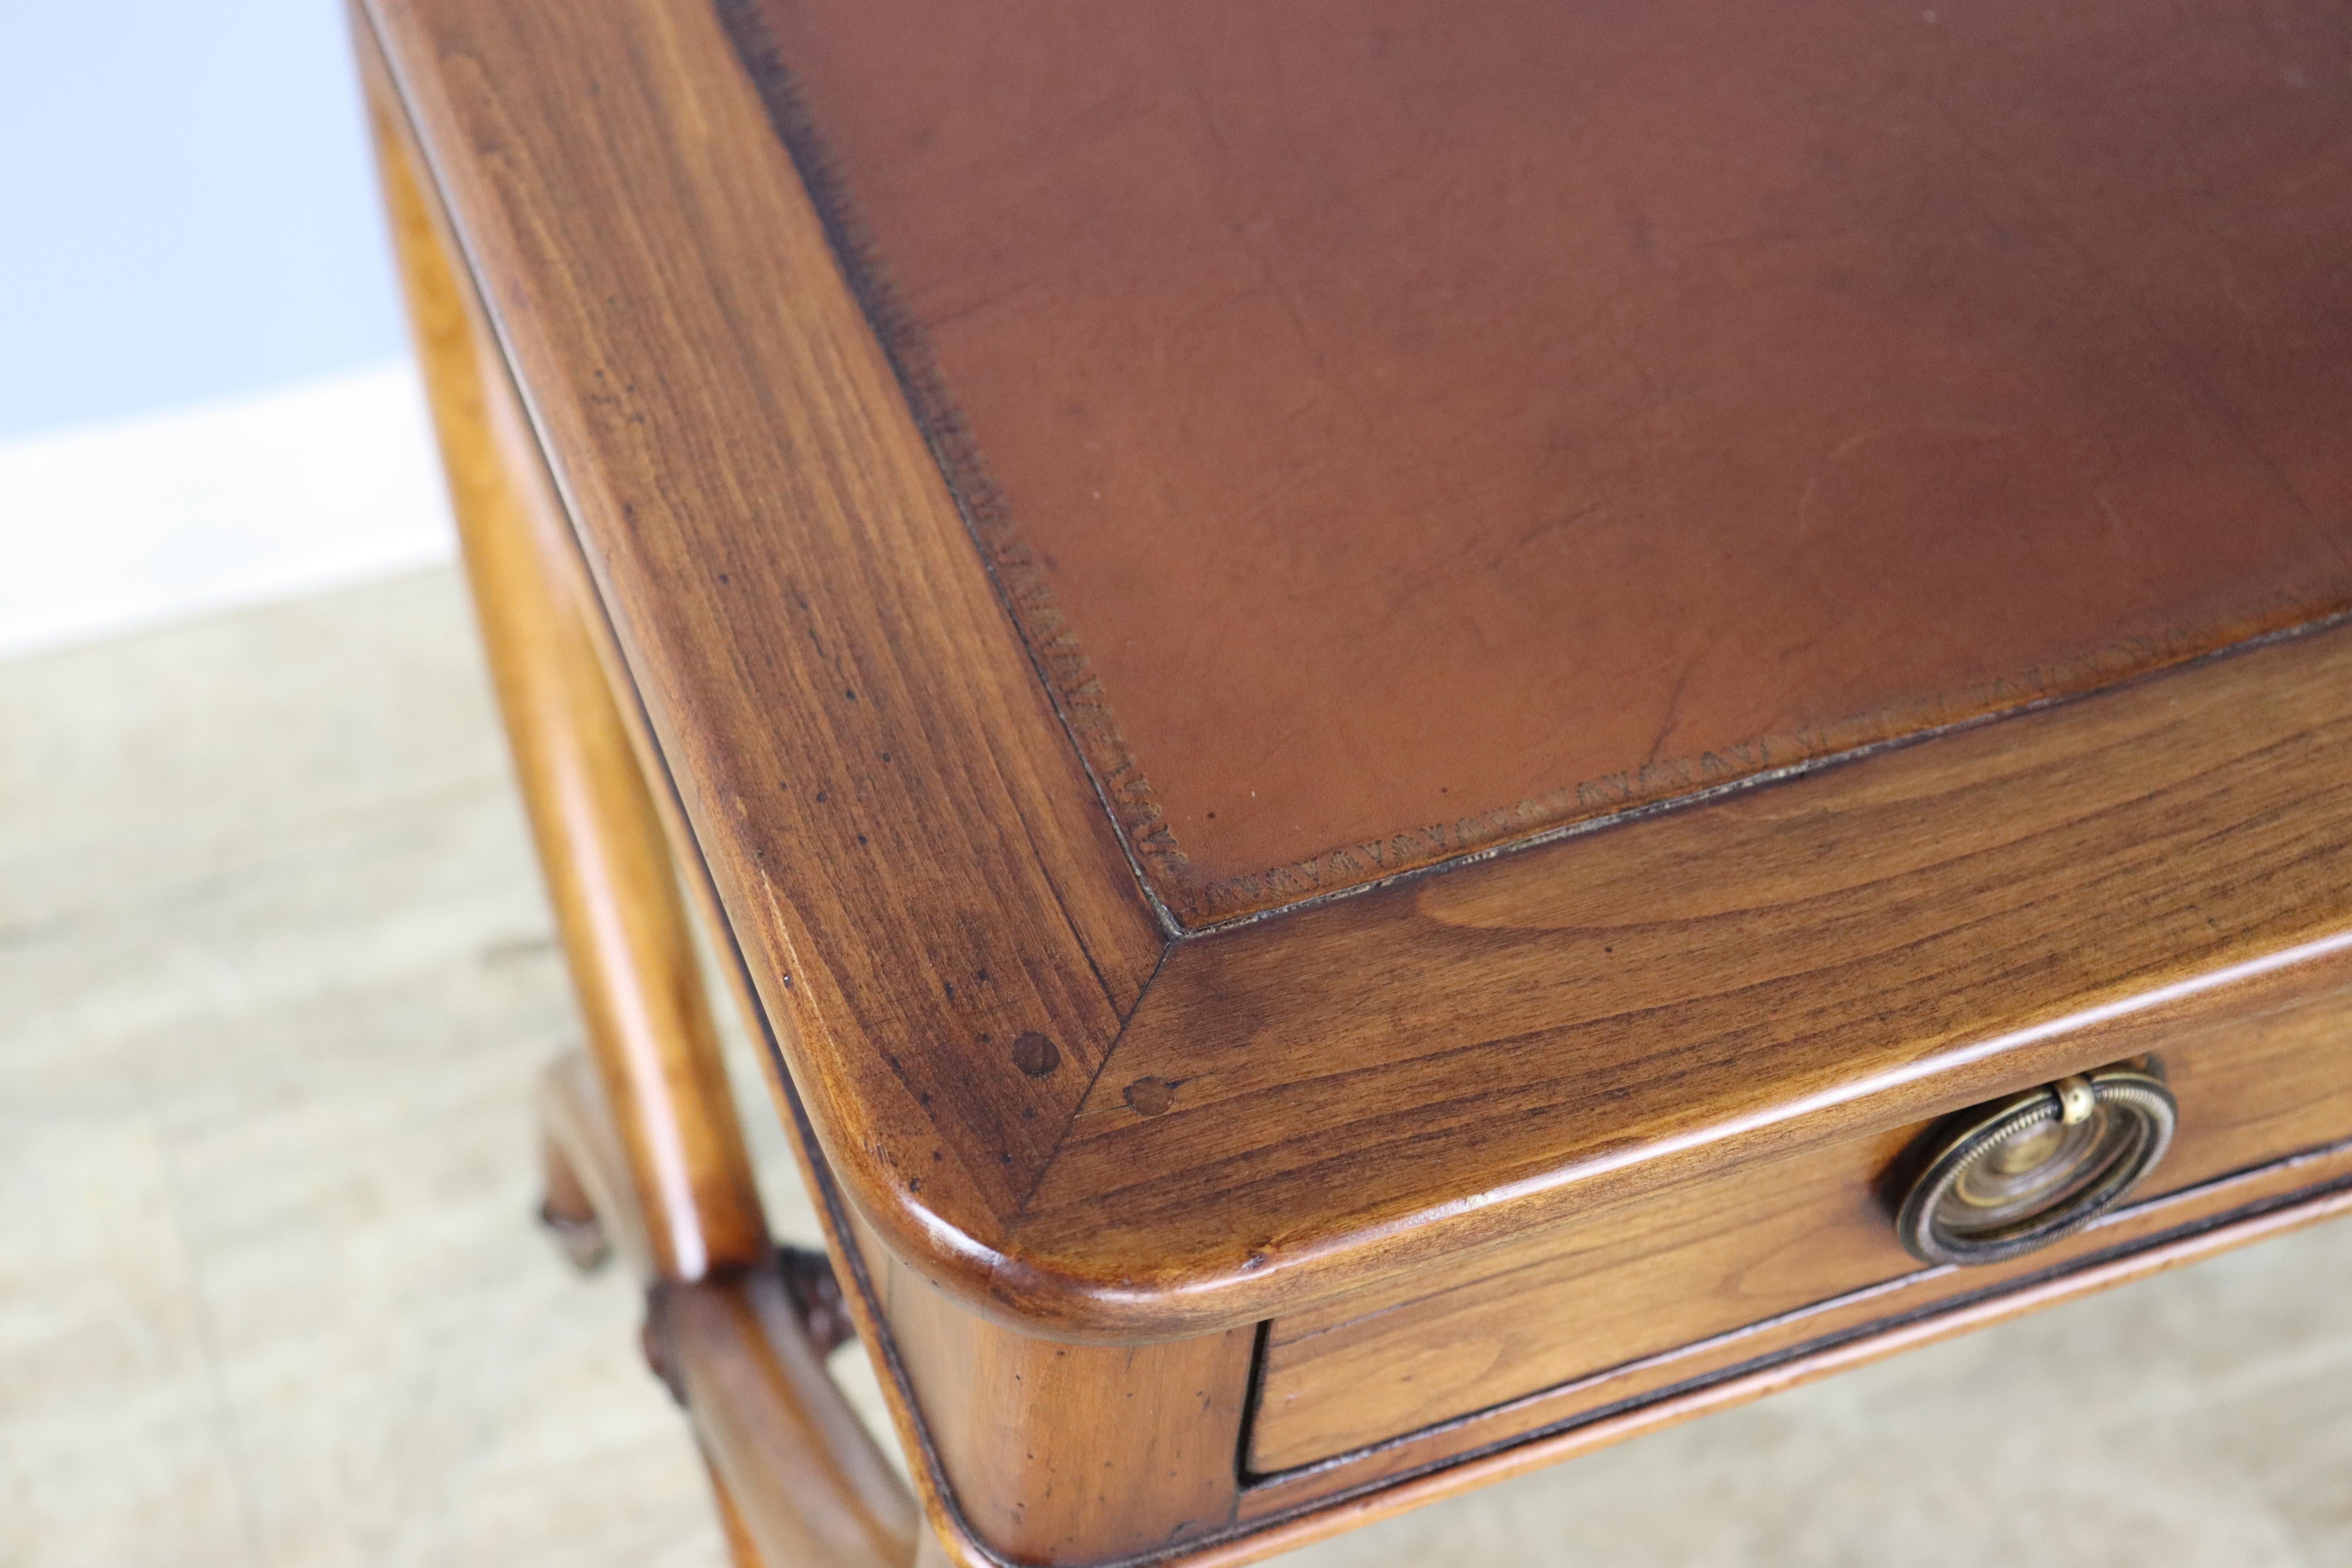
<point x="640" y="1135"/>
<point x="609" y="876"/>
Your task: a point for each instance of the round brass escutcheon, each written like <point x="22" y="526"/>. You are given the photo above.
<point x="2021" y="1172"/>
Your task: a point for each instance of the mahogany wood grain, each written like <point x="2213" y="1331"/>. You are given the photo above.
<point x="2243" y="1206"/>
<point x="904" y="840"/>
<point x="648" y="1138"/>
<point x="2257" y="1061"/>
<point x="1312" y="1104"/>
<point x="2263" y="1077"/>
<point x="1057" y="1452"/>
<point x="1289" y="1512"/>
<point x="1404" y="428"/>
<point x="799" y="1483"/>
<point x="796" y="1480"/>
<point x="609" y="876"/>
<point x="1279" y="1513"/>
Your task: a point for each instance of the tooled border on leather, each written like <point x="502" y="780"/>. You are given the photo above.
<point x="1659" y="783"/>
<point x="1055" y="650"/>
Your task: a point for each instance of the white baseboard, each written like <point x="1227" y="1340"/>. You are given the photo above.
<point x="111" y="528"/>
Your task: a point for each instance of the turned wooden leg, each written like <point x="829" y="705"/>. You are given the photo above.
<point x="799" y="1481"/>
<point x="640" y="1146"/>
<point x="616" y="902"/>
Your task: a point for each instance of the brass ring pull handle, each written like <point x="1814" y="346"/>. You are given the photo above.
<point x="2021" y="1172"/>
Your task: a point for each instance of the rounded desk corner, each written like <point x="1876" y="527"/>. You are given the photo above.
<point x="1041" y="1297"/>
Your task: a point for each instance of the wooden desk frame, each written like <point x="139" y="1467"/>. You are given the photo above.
<point x="1099" y="1366"/>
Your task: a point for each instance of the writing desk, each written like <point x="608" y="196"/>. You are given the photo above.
<point x="1425" y="735"/>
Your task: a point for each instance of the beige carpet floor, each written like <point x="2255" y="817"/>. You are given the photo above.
<point x="275" y="975"/>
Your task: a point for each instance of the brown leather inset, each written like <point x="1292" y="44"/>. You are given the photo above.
<point x="1404" y="426"/>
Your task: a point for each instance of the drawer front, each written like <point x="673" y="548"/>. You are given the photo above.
<point x="2264" y="1076"/>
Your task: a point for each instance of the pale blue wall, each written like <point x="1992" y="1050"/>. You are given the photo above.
<point x="186" y="209"/>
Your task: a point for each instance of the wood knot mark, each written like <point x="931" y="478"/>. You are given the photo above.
<point x="1149" y="1095"/>
<point x="1036" y="1054"/>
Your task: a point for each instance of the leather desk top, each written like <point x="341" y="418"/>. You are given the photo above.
<point x="1339" y="439"/>
<point x="1404" y="428"/>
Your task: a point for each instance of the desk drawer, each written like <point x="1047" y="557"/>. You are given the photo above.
<point x="2263" y="1076"/>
